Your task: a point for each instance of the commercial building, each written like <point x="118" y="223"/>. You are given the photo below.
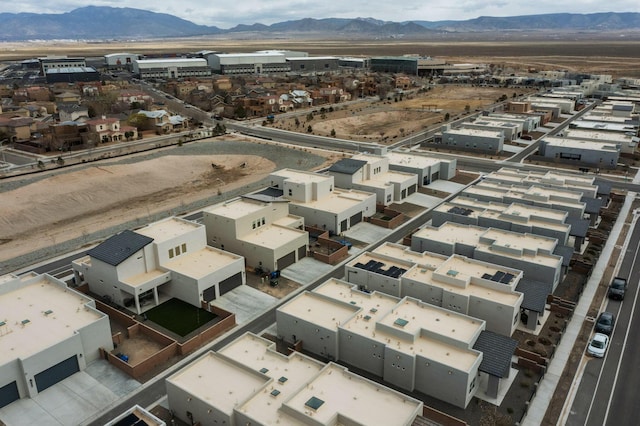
<point x="407" y="343"/>
<point x="395" y="64"/>
<point x="47" y="333"/>
<point x="351" y="62"/>
<point x="171" y="68"/>
<point x="71" y="75"/>
<point x="490" y="141"/>
<point x="586" y="152"/>
<point x="314" y="197"/>
<point x="163" y="260"/>
<point x="121" y="60"/>
<point x="262" y="231"/>
<point x="427" y="168"/>
<point x="368" y="172"/>
<point x="54" y="62"/>
<point x="254" y="384"/>
<point x="313" y="64"/>
<point x="249" y="63"/>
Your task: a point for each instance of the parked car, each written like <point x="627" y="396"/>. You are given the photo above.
<point x="598" y="345"/>
<point x="605" y="323"/>
<point x="617" y="288"/>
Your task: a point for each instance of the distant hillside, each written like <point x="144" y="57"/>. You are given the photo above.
<point x="93" y="22"/>
<point x="555" y="21"/>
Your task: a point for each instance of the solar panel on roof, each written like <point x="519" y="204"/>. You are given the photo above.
<point x="507" y="278"/>
<point x="498" y="276"/>
<point x="487" y="276"/>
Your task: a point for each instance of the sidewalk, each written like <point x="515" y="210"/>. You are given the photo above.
<point x="538" y="407"/>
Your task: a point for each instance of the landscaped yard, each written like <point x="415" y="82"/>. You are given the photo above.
<point x="179" y="317"/>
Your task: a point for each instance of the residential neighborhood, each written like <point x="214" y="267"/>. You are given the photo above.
<point x="277" y="237"/>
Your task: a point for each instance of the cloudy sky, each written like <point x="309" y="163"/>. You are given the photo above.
<point x="227" y="14"/>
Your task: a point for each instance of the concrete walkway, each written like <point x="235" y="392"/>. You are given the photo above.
<point x="543" y="397"/>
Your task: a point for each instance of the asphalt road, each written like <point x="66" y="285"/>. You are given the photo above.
<point x="608" y="390"/>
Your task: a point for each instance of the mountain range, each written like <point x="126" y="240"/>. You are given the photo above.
<point x="99" y="23"/>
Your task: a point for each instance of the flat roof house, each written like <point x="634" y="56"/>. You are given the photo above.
<point x="587" y="152"/>
<point x="468" y="286"/>
<point x="367" y="172"/>
<point x="47" y="333"/>
<point x="165" y="259"/>
<point x="427" y="167"/>
<point x="314" y="197"/>
<point x="510" y="217"/>
<point x="491" y="141"/>
<point x="262" y="231"/>
<point x="405" y="342"/>
<point x="254" y="384"/>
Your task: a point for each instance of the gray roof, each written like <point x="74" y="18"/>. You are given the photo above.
<point x="592" y="204"/>
<point x="535" y="294"/>
<point x="269" y="195"/>
<point x="497" y="351"/>
<point x="347" y="166"/>
<point x="565" y="252"/>
<point x="579" y="227"/>
<point x="120" y="247"/>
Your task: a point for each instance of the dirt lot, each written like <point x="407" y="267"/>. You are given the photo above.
<point x="52" y="207"/>
<point x="386" y="121"/>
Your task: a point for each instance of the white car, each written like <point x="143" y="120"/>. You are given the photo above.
<point x="598" y="345"/>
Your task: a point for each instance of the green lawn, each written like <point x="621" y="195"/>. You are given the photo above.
<point x="179" y="317"/>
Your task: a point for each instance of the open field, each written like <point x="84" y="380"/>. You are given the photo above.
<point x="386" y="121"/>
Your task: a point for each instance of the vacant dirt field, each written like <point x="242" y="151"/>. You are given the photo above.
<point x="385" y="121"/>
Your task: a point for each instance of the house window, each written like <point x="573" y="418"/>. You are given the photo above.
<point x="263" y="221"/>
<point x="290" y="192"/>
<point x="184" y="247"/>
<point x="171" y="253"/>
<point x="253" y="224"/>
<point x="177" y="249"/>
<point x="472" y="384"/>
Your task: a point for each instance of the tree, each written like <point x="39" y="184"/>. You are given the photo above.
<point x="333" y="133"/>
<point x="447" y="116"/>
<point x="128" y="134"/>
<point x="310" y="116"/>
<point x="240" y="112"/>
<point x="467" y="108"/>
<point x="60" y="161"/>
<point x="41" y="165"/>
<point x="297" y="122"/>
<point x="309" y="129"/>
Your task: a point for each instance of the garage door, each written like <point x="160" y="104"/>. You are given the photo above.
<point x="356" y="218"/>
<point x="302" y="252"/>
<point x="58" y="372"/>
<point x="230" y="283"/>
<point x="209" y="294"/>
<point x="8" y="394"/>
<point x="286" y="260"/>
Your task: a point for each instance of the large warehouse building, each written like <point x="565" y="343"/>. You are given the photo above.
<point x="249" y="63"/>
<point x="171" y="68"/>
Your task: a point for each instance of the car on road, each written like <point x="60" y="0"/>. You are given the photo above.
<point x="598" y="345"/>
<point x="617" y="288"/>
<point x="605" y="323"/>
